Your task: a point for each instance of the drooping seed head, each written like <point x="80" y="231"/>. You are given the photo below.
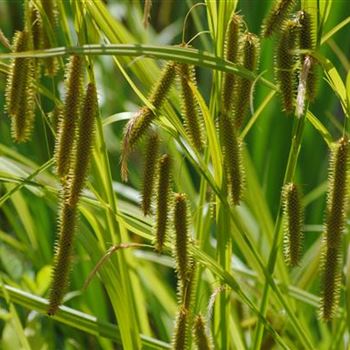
<point x="233" y="166"/>
<point x="82" y="151"/>
<point x="286" y="60"/>
<point x="250" y="50"/>
<point x="277" y="16"/>
<point x="181" y="237"/>
<point x="337" y="192"/>
<point x="134" y="130"/>
<point x="162" y="201"/>
<point x="62" y="262"/>
<point x="21" y="90"/>
<point x="331" y="282"/>
<point x="231" y="52"/>
<point x="307" y="42"/>
<point x="17" y="74"/>
<point x="335" y="223"/>
<point x="180" y="331"/>
<point x="149" y="172"/>
<point x="293" y="221"/>
<point x="70" y="116"/>
<point x="201" y="335"/>
<point x="162" y="87"/>
<point x="191" y="114"/>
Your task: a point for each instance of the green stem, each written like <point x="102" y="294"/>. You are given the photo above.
<point x="172" y="53"/>
<point x="289" y="174"/>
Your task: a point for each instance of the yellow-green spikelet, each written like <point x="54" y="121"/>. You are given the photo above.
<point x="149" y="172"/>
<point x="307" y="42"/>
<point x="250" y="49"/>
<point x="21" y="90"/>
<point x="181" y="237"/>
<point x="293" y="222"/>
<point x="335" y="223"/>
<point x="286" y="64"/>
<point x="231" y="55"/>
<point x="233" y="166"/>
<point x="139" y="124"/>
<point x="161" y="89"/>
<point x="70" y="116"/>
<point x="201" y="337"/>
<point x="162" y="201"/>
<point x="62" y="262"/>
<point x="276" y="17"/>
<point x="82" y="150"/>
<point x="17" y="74"/>
<point x="180" y="330"/>
<point x="191" y="113"/>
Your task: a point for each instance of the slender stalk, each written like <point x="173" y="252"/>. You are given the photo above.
<point x="288" y="177"/>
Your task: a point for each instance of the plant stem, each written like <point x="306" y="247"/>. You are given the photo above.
<point x="289" y="174"/>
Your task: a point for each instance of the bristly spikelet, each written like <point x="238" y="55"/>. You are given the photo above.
<point x="293" y="222"/>
<point x="231" y="53"/>
<point x="181" y="237"/>
<point x="162" y="201"/>
<point x="163" y="86"/>
<point x="82" y="150"/>
<point x="55" y="116"/>
<point x="21" y="90"/>
<point x="134" y="130"/>
<point x="250" y="49"/>
<point x="22" y="123"/>
<point x="149" y="172"/>
<point x="286" y="64"/>
<point x="307" y="42"/>
<point x="180" y="331"/>
<point x="335" y="224"/>
<point x="70" y="115"/>
<point x="17" y="75"/>
<point x="277" y="16"/>
<point x="232" y="158"/>
<point x="190" y="108"/>
<point x="139" y="124"/>
<point x="331" y="282"/>
<point x="51" y="13"/>
<point x="202" y="338"/>
<point x="66" y="228"/>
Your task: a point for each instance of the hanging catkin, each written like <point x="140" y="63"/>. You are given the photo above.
<point x="67" y="221"/>
<point x="277" y="16"/>
<point x="231" y="55"/>
<point x="250" y="48"/>
<point x="82" y="150"/>
<point x="286" y="59"/>
<point x="181" y="237"/>
<point x="139" y="124"/>
<point x="70" y="116"/>
<point x="190" y="108"/>
<point x="293" y="221"/>
<point x="307" y="42"/>
<point x="149" y="172"/>
<point x="232" y="158"/>
<point x="203" y="340"/>
<point x="20" y="90"/>
<point x="162" y="201"/>
<point x="334" y="226"/>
